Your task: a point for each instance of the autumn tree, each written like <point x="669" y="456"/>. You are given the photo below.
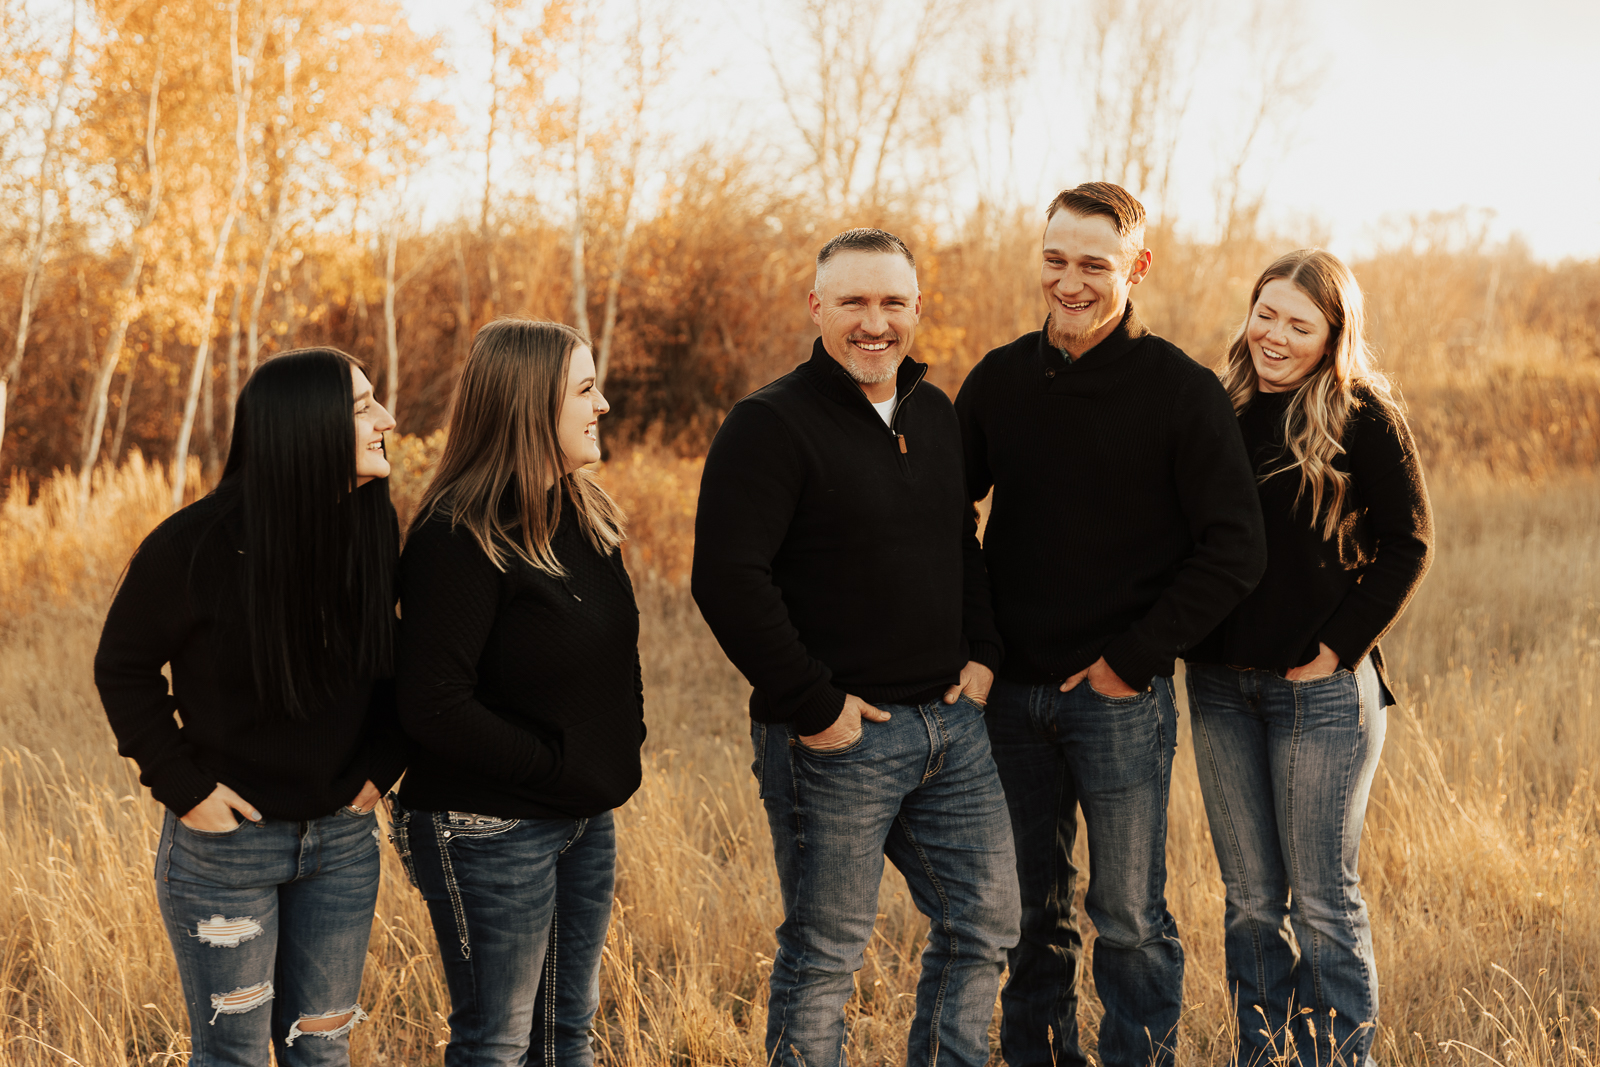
<point x="39" y="217"/>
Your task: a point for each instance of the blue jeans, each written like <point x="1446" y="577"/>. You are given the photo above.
<point x="920" y="789"/>
<point x="1286" y="769"/>
<point x="520" y="908"/>
<point x="269" y="923"/>
<point x="1113" y="757"/>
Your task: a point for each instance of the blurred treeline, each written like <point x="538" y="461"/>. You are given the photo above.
<point x="187" y="187"/>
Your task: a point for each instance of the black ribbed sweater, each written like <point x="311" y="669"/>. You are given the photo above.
<point x="1345" y="591"/>
<point x="182" y="602"/>
<point x="1125" y="521"/>
<point x="834" y="554"/>
<point x="521" y="690"/>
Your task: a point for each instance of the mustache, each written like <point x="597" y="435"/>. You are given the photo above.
<point x="886" y="337"/>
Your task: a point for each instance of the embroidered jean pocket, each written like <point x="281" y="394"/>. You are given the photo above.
<point x="453" y="824"/>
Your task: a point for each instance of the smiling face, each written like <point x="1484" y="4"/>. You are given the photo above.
<point x="581" y="408"/>
<point x="1087" y="274"/>
<point x="372" y="422"/>
<point x="867" y="306"/>
<point x="1288" y="336"/>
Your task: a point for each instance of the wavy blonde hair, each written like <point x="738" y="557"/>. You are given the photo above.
<point x="1313" y="426"/>
<point x="502" y="438"/>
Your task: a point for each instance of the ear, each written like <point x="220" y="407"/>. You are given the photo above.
<point x="917" y="307"/>
<point x="815" y="303"/>
<point x="1140" y="266"/>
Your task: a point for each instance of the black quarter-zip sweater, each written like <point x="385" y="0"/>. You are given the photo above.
<point x="1125" y="521"/>
<point x="835" y="554"/>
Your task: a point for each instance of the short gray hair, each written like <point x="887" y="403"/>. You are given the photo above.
<point x="864" y="239"/>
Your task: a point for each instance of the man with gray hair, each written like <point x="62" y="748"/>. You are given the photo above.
<point x="837" y="562"/>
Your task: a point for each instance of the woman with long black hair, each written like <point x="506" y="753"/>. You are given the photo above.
<point x="272" y="599"/>
<point x="1288" y="697"/>
<point x="519" y="680"/>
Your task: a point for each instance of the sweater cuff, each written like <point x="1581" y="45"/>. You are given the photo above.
<point x="819" y="711"/>
<point x="545" y="765"/>
<point x="387" y="764"/>
<point x="985" y="652"/>
<point x="1134" y="662"/>
<point x="1345" y="647"/>
<point x="181" y="784"/>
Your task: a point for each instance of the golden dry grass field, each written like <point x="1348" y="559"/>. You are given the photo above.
<point x="1481" y="860"/>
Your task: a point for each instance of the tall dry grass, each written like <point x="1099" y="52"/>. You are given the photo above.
<point x="1481" y="858"/>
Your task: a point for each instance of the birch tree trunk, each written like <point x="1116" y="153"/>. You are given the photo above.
<point x="390" y="335"/>
<point x="122" y="305"/>
<point x="253" y="325"/>
<point x="158" y="342"/>
<point x="39" y="234"/>
<point x="580" y="277"/>
<point x="487" y="235"/>
<point x="231" y="372"/>
<point x="243" y="80"/>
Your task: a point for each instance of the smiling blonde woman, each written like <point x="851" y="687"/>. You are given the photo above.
<point x="1288" y="696"/>
<point x="519" y="680"/>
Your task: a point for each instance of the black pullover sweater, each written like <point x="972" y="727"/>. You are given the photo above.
<point x="835" y="554"/>
<point x="1348" y="590"/>
<point x="521" y="691"/>
<point x="182" y="602"/>
<point x="1125" y="521"/>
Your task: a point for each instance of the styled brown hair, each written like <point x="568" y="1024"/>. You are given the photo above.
<point x="1108" y="201"/>
<point x="1323" y="400"/>
<point x="503" y="438"/>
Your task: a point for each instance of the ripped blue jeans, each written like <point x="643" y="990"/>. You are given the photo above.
<point x="269" y="923"/>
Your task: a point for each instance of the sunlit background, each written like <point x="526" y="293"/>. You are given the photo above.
<point x="386" y="176"/>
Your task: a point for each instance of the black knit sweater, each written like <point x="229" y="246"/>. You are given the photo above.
<point x="834" y="554"/>
<point x="1125" y="521"/>
<point x="1346" y="591"/>
<point x="521" y="690"/>
<point x="182" y="602"/>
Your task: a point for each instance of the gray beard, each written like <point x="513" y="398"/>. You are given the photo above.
<point x="871" y="377"/>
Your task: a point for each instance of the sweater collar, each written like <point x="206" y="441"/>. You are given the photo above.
<point x="833" y="381"/>
<point x="1128" y="332"/>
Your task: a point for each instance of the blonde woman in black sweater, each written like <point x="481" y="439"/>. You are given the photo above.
<point x="519" y="683"/>
<point x="1288" y="696"/>
<point x="272" y="599"/>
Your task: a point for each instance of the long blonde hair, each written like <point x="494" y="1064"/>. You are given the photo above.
<point x="1321" y="404"/>
<point x="502" y="437"/>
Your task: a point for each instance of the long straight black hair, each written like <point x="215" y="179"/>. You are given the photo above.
<point x="320" y="554"/>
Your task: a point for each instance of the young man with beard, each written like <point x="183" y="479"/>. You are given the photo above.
<point x="837" y="562"/>
<point x="1125" y="525"/>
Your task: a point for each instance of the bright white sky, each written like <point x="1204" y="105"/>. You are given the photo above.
<point x="1426" y="105"/>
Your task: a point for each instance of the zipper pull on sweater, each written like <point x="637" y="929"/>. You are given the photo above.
<point x="902" y="439"/>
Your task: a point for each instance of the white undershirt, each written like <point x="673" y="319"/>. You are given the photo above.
<point x="885" y="410"/>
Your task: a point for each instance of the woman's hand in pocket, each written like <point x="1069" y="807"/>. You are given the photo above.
<point x="367" y="799"/>
<point x="215" y="814"/>
<point x="1326" y="663"/>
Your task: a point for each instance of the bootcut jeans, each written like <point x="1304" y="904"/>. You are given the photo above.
<point x="1111" y="756"/>
<point x="520" y="908"/>
<point x="920" y="789"/>
<point x="269" y="922"/>
<point x="1286" y="769"/>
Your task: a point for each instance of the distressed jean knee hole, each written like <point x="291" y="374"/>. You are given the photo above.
<point x="241" y="1000"/>
<point x="329" y="1024"/>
